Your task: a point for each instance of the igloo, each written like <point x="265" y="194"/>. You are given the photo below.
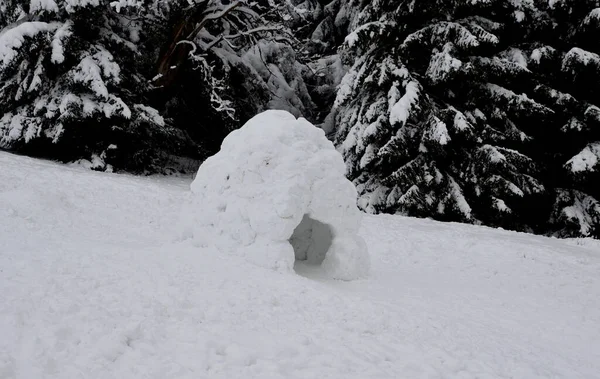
<point x="276" y="194"/>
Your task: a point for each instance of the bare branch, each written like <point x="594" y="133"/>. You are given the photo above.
<point x="254" y="31"/>
<point x="194" y="47"/>
<point x="212" y="16"/>
<point x="247" y="33"/>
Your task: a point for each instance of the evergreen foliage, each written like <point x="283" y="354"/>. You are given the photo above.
<point x="474" y="111"/>
<point x="71" y="83"/>
<point x="134" y="84"/>
<point x="478" y="111"/>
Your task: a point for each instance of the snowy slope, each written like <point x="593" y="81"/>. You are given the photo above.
<point x="92" y="285"/>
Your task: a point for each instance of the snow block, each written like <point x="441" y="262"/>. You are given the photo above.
<point x="275" y="193"/>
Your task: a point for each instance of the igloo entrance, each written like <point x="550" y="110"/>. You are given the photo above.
<point x="311" y="240"/>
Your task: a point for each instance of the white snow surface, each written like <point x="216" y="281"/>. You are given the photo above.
<point x="93" y="286"/>
<point x="272" y="172"/>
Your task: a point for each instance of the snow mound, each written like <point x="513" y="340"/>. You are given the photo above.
<point x="276" y="195"/>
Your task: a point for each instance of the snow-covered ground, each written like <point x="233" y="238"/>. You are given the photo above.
<point x="92" y="285"/>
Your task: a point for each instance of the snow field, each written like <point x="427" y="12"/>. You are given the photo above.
<point x="93" y="285"/>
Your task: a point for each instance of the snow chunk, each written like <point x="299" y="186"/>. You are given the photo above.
<point x="58" y="51"/>
<point x="437" y="132"/>
<point x="92" y="71"/>
<point x="515" y="56"/>
<point x="493" y="154"/>
<point x="586" y="160"/>
<point x="593" y="18"/>
<point x="400" y="110"/>
<point x="580" y="56"/>
<point x="501" y="205"/>
<point x="457" y="195"/>
<point x="460" y="122"/>
<point x="43" y="5"/>
<point x="542" y="52"/>
<point x="552" y="3"/>
<point x="367" y="29"/>
<point x="73" y="6"/>
<point x="576" y="210"/>
<point x="149" y="114"/>
<point x="251" y="198"/>
<point x="13" y="39"/>
<point x="442" y="65"/>
<point x="519" y="16"/>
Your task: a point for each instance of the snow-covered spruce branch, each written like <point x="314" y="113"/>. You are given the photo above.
<point x="192" y="44"/>
<point x="212" y="14"/>
<point x="247" y="33"/>
<point x="236" y="21"/>
<point x="20" y="21"/>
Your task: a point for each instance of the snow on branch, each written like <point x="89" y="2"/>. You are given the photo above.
<point x="439" y="34"/>
<point x="443" y="65"/>
<point x="593" y="18"/>
<point x="587" y="160"/>
<point x="213" y="13"/>
<point x="13" y="39"/>
<point x="401" y="107"/>
<point x="204" y="27"/>
<point x="577" y="57"/>
<point x="94" y="69"/>
<point x="577" y="212"/>
<point x="43" y="6"/>
<point x="368" y="30"/>
<point x="240" y="34"/>
<point x="62" y="33"/>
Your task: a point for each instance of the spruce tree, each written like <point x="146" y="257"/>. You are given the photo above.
<point x="70" y="83"/>
<point x="135" y="84"/>
<point x="476" y="111"/>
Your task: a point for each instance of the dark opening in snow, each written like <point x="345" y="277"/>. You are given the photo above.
<point x="311" y="240"/>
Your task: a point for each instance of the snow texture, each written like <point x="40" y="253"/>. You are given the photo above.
<point x="538" y="54"/>
<point x="276" y="64"/>
<point x="583" y="210"/>
<point x="370" y="29"/>
<point x="593" y="17"/>
<point x="92" y="70"/>
<point x="268" y="176"/>
<point x="442" y="65"/>
<point x="43" y="5"/>
<point x="579" y="56"/>
<point x="438" y="132"/>
<point x="12" y="39"/>
<point x="92" y="286"/>
<point x="586" y="160"/>
<point x="400" y="111"/>
<point x="58" y="51"/>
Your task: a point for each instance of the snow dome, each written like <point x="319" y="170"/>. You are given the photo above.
<point x="276" y="194"/>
